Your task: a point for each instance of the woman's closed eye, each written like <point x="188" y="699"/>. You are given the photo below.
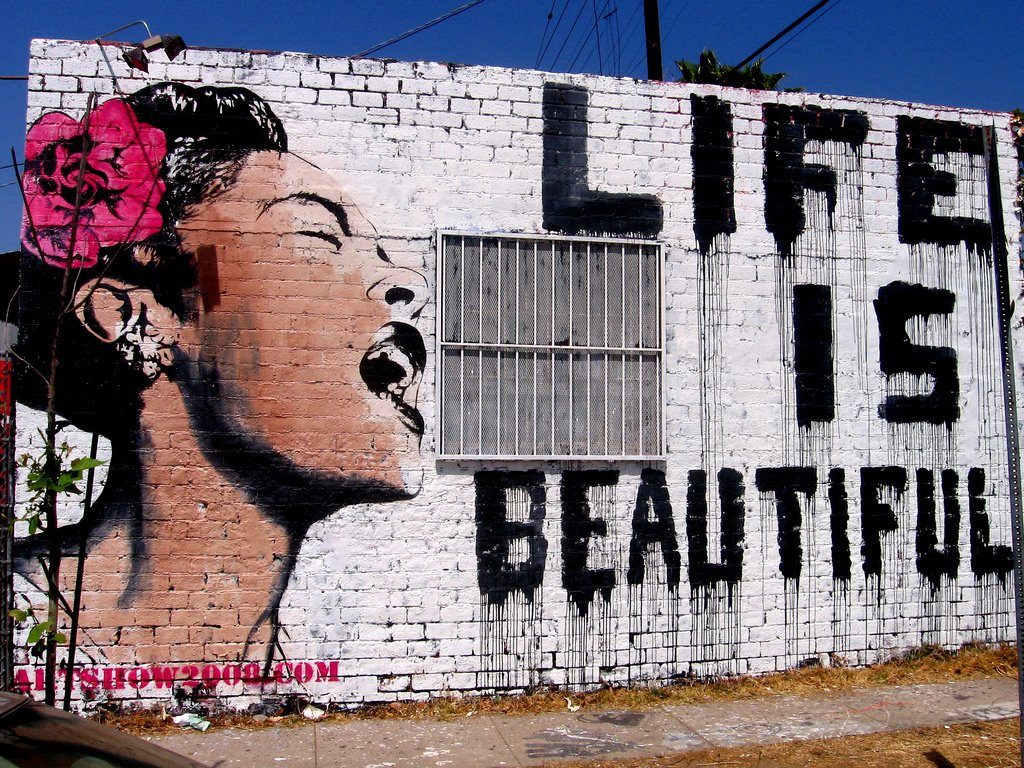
<point x="327" y="237"/>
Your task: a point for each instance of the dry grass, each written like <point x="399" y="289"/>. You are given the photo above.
<point x="925" y="665"/>
<point x="974" y="745"/>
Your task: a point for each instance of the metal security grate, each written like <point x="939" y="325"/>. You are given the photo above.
<point x="550" y="348"/>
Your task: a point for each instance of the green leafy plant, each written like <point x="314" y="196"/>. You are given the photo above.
<point x="69" y="471"/>
<point x="710" y="71"/>
<point x="54" y="474"/>
<point x="38" y="631"/>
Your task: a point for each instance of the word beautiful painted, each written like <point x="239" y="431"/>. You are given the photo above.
<point x="882" y="493"/>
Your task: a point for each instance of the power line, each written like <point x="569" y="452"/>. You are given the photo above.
<point x="609" y="33"/>
<point x="618" y="40"/>
<point x="568" y="35"/>
<point x="634" y="25"/>
<point x="588" y="46"/>
<point x="542" y="49"/>
<point x="603" y="16"/>
<point x="631" y="25"/>
<point x="807" y="14"/>
<point x="675" y="19"/>
<point x="579" y="52"/>
<point x="421" y="28"/>
<point x="633" y="15"/>
<point x="809" y="25"/>
<point x="583" y="47"/>
<point x="638" y="62"/>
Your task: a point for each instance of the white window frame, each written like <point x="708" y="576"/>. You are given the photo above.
<point x="658" y="352"/>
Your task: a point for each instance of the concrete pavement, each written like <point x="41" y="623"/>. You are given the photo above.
<point x="483" y="741"/>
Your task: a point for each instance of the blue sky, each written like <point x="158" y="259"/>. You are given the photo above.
<point x="967" y="54"/>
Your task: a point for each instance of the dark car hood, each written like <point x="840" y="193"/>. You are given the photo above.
<point x="34" y="734"/>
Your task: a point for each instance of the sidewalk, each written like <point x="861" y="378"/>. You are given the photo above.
<point x="485" y="741"/>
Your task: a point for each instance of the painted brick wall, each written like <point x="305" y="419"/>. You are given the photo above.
<point x="835" y="483"/>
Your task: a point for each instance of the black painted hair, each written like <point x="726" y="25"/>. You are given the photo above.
<point x="209" y="133"/>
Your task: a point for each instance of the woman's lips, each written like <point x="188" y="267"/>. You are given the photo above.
<point x="392" y="367"/>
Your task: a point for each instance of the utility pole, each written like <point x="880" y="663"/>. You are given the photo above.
<point x="652" y="28"/>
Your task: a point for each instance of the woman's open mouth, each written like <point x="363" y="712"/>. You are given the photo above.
<point x="391" y="368"/>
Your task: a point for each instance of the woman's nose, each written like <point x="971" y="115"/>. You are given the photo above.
<point x="403" y="290"/>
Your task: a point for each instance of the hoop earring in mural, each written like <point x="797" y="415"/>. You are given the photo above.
<point x="145" y="347"/>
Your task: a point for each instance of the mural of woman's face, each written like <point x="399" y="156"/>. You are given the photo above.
<point x="306" y="326"/>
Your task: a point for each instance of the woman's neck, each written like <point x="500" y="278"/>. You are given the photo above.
<point x="213" y="563"/>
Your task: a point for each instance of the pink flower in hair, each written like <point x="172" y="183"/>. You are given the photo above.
<point x="120" y="183"/>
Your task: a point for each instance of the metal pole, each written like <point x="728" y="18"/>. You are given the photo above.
<point x="999" y="258"/>
<point x="7" y="481"/>
<point x="652" y="28"/>
<point x="83" y="541"/>
<point x="6" y="523"/>
<point x="122" y="29"/>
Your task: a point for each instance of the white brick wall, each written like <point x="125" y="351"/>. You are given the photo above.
<point x="390" y="591"/>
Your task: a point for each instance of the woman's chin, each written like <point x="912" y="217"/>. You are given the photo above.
<point x="371" y="480"/>
<point x="405" y="479"/>
<point x="412" y="480"/>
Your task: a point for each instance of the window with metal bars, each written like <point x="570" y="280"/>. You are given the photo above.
<point x="550" y="348"/>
